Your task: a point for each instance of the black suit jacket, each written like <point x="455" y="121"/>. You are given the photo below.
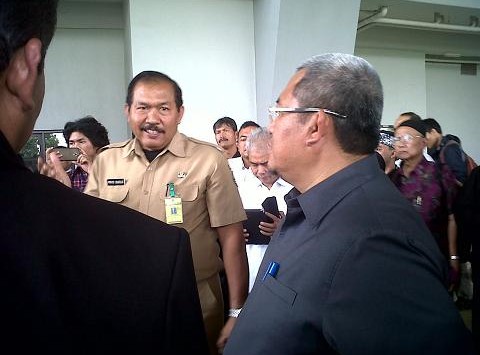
<point x="80" y="275"/>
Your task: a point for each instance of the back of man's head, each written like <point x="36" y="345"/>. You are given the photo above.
<point x="411" y="116"/>
<point x="225" y="121"/>
<point x="406" y="116"/>
<point x="350" y="86"/>
<point x="90" y="128"/>
<point x="22" y="20"/>
<point x="431" y="123"/>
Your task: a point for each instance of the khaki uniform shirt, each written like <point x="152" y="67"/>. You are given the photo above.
<point x="201" y="177"/>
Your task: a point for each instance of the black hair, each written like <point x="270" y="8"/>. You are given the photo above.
<point x="22" y="20"/>
<point x="248" y="124"/>
<point x="431" y="123"/>
<point x="152" y="76"/>
<point x="91" y="128"/>
<point x="230" y="122"/>
<point x="411" y="116"/>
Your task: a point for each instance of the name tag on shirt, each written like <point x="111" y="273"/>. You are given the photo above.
<point x="115" y="182"/>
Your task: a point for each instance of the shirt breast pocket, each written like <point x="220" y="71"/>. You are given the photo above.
<point x="116" y="193"/>
<point x="282" y="292"/>
<point x="188" y="193"/>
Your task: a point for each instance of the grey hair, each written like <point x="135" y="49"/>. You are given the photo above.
<point x="259" y="139"/>
<point x="350" y="86"/>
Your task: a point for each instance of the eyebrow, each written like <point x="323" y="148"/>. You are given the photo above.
<point x="142" y="103"/>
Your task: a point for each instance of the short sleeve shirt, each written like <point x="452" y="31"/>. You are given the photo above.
<point x="201" y="177"/>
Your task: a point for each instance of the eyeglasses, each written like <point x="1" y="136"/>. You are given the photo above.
<point x="406" y="138"/>
<point x="274" y="112"/>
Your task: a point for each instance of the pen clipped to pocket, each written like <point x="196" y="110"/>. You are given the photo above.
<point x="272" y="270"/>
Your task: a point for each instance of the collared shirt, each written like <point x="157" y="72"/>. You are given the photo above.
<point x="352" y="257"/>
<point x="78" y="177"/>
<point x="253" y="193"/>
<point x="241" y="173"/>
<point x="431" y="190"/>
<point x="201" y="178"/>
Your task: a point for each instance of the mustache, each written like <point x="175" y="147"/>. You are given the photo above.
<point x="152" y="127"/>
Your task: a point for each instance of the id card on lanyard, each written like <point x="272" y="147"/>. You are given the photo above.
<point x="173" y="206"/>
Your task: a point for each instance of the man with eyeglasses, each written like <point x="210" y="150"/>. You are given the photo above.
<point x="352" y="269"/>
<point x="429" y="188"/>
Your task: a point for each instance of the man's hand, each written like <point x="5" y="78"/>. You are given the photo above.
<point x="53" y="168"/>
<point x="246" y="235"/>
<point x="84" y="162"/>
<point x="225" y="334"/>
<point x="269" y="228"/>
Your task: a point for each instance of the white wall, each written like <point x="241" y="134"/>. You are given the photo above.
<point x="287" y="32"/>
<point x="403" y="78"/>
<point x="85" y="68"/>
<point x="266" y="17"/>
<point x="453" y="100"/>
<point x="84" y="76"/>
<point x="207" y="46"/>
<point x="429" y="90"/>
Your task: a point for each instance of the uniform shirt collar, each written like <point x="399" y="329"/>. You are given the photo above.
<point x="176" y="146"/>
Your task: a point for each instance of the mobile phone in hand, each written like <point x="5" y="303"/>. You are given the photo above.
<point x="67" y="154"/>
<point x="270" y="205"/>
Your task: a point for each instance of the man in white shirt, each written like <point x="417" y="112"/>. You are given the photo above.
<point x="240" y="165"/>
<point x="254" y="191"/>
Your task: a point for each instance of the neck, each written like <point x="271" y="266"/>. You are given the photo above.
<point x="390" y="167"/>
<point x="327" y="166"/>
<point x="246" y="162"/>
<point x="230" y="151"/>
<point x="410" y="164"/>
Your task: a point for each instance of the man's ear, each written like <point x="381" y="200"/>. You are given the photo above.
<point x="181" y="110"/>
<point x="22" y="72"/>
<point x="126" y="111"/>
<point x="317" y="127"/>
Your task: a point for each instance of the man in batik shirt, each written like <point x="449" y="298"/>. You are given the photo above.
<point x="429" y="187"/>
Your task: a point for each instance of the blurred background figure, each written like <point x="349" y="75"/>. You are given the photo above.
<point x="226" y="136"/>
<point x="86" y="134"/>
<point x="240" y="165"/>
<point x="386" y="150"/>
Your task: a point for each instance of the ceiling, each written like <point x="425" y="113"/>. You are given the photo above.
<point x="419" y="11"/>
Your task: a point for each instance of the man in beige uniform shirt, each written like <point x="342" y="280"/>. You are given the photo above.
<point x="161" y="167"/>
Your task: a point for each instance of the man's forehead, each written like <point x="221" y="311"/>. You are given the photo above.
<point x="224" y="127"/>
<point x="258" y="156"/>
<point x="244" y="132"/>
<point x="287" y="94"/>
<point x="404" y="130"/>
<point x="153" y="88"/>
<point x="77" y="135"/>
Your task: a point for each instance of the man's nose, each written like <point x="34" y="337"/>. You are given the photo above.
<point x="262" y="170"/>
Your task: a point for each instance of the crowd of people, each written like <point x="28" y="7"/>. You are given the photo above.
<point x="352" y="259"/>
